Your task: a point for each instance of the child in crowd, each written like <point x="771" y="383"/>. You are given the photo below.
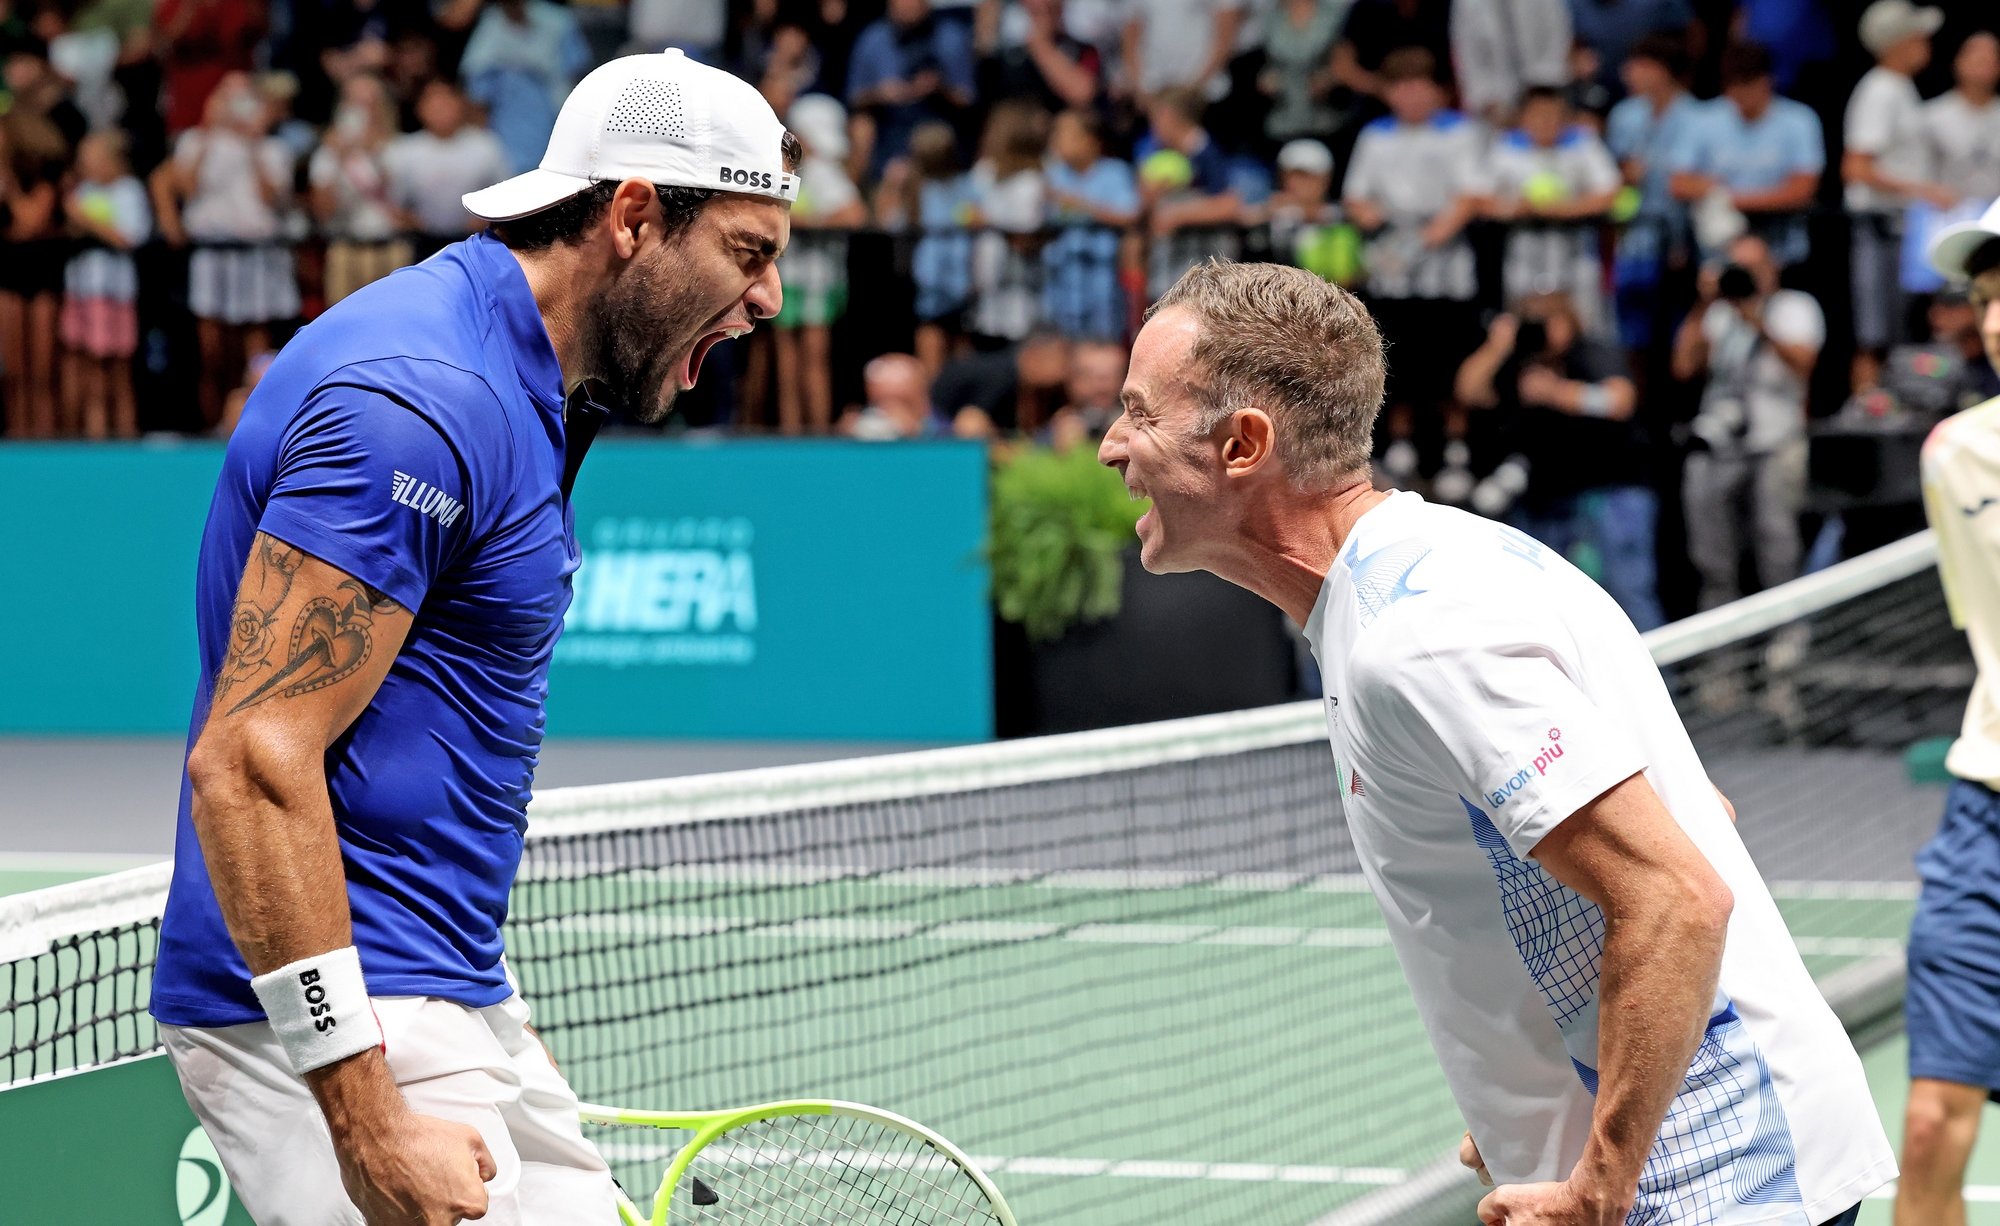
<point x="1305" y="223"/>
<point x="1416" y="179"/>
<point x="1186" y="186"/>
<point x="1092" y="198"/>
<point x="100" y="318"/>
<point x="1009" y="198"/>
<point x="814" y="267"/>
<point x="930" y="192"/>
<point x="1551" y="178"/>
<point x="432" y="168"/>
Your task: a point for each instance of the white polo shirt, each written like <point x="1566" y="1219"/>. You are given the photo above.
<point x="1480" y="690"/>
<point x="1961" y="469"/>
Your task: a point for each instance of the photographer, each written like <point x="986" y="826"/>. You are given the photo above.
<point x="1564" y="407"/>
<point x="1757" y="344"/>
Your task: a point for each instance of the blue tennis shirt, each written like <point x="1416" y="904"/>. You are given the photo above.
<point x="413" y="437"/>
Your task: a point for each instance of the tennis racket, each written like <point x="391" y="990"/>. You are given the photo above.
<point x="809" y="1164"/>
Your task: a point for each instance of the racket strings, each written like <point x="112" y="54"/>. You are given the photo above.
<point x="825" y="1170"/>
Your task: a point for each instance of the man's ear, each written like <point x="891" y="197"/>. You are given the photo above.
<point x="1249" y="442"/>
<point x="634" y="206"/>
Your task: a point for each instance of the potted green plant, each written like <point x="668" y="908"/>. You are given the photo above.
<point x="1060" y="523"/>
<point x="1085" y="637"/>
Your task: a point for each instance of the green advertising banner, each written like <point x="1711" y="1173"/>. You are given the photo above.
<point x="802" y="590"/>
<point x="114" y="1144"/>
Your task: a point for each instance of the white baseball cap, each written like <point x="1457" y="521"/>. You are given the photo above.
<point x="1953" y="246"/>
<point x="1308" y="155"/>
<point x="663" y="118"/>
<point x="1888" y="22"/>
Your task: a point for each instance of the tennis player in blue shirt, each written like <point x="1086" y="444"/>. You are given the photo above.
<point x="382" y="580"/>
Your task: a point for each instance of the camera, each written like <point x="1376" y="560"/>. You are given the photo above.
<point x="1736" y="284"/>
<point x="1531" y="339"/>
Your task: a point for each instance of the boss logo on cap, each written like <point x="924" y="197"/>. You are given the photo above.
<point x="747" y="178"/>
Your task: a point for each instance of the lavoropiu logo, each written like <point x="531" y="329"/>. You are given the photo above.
<point x="672" y="591"/>
<point x="1538" y="766"/>
<point x="200" y="1188"/>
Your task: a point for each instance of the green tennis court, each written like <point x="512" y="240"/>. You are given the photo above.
<point x="1135" y="971"/>
<point x="1283" y="1157"/>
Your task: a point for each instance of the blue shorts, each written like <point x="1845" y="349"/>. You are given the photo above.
<point x="1953" y="1008"/>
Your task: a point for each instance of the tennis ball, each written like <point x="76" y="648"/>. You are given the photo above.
<point x="1545" y="187"/>
<point x="1625" y="205"/>
<point x="1332" y="253"/>
<point x="1168" y="168"/>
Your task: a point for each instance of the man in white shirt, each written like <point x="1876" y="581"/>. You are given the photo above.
<point x="1953" y="1008"/>
<point x="1501" y="47"/>
<point x="1615" y="1002"/>
<point x="1757" y="345"/>
<point x="431" y="168"/>
<point x="1886" y="166"/>
<point x="1963" y="125"/>
<point x="1175" y="43"/>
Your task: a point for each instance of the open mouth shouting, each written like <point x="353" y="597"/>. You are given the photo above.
<point x="728" y="330"/>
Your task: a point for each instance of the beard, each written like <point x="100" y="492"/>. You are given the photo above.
<point x="645" y="323"/>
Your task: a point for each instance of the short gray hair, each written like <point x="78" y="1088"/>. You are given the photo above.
<point x="1295" y="345"/>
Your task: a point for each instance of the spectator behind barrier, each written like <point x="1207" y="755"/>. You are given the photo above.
<point x="1416" y="180"/>
<point x="1550" y="174"/>
<point x="929" y="192"/>
<point x="1502" y="48"/>
<point x="814" y="267"/>
<point x="1577" y="467"/>
<point x="521" y="62"/>
<point x="432" y="168"/>
<point x="100" y="319"/>
<point x="909" y="67"/>
<point x="1887" y="165"/>
<point x="36" y="136"/>
<point x="353" y="192"/>
<point x="230" y="182"/>
<point x="1299" y="76"/>
<point x="1962" y="126"/>
<point x="1753" y="160"/>
<point x="1642" y="133"/>
<point x="1185" y="185"/>
<point x="1182" y="45"/>
<point x="1009" y="200"/>
<point x="1092" y="198"/>
<point x="1757" y="345"/>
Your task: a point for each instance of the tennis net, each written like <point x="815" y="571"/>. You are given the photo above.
<point x="1134" y="972"/>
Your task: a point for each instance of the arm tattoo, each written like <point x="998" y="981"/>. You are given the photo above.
<point x="252" y="630"/>
<point x="330" y="638"/>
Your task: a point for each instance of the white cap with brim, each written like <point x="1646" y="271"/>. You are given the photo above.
<point x="1888" y="22"/>
<point x="1307" y="155"/>
<point x="663" y="118"/>
<point x="1953" y="247"/>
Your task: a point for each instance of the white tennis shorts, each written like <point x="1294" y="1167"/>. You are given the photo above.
<point x="477" y="1066"/>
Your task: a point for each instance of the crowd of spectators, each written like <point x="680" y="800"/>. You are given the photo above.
<point x="1614" y="244"/>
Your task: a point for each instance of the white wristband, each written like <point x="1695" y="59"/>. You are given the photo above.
<point x="319" y="1008"/>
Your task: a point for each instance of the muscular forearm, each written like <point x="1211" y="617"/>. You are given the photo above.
<point x="266" y="829"/>
<point x="1652" y="1013"/>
